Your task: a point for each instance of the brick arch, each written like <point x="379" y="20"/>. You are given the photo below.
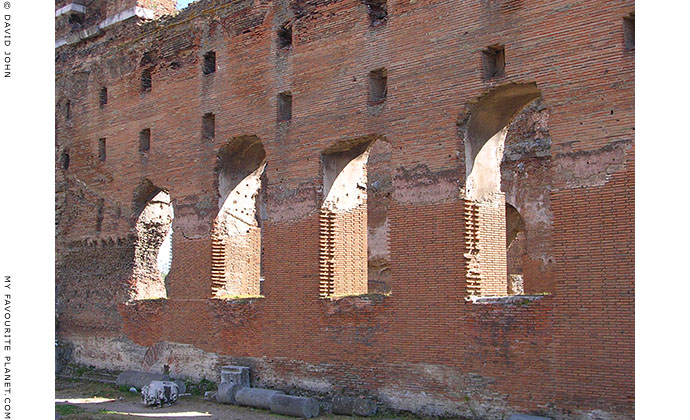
<point x="485" y="136"/>
<point x="153" y="211"/>
<point x="343" y="219"/>
<point x="485" y="210"/>
<point x="236" y="234"/>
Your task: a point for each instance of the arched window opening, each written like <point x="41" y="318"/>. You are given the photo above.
<point x="485" y="210"/>
<point x="526" y="182"/>
<point x="343" y="219"/>
<point x="153" y="249"/>
<point x="236" y="249"/>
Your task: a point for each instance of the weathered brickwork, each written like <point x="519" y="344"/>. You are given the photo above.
<point x="553" y="136"/>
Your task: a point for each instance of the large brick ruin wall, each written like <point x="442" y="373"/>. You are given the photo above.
<point x="414" y="342"/>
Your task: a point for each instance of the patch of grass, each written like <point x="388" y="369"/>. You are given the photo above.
<point x="81" y="370"/>
<point x="199" y="388"/>
<point x="65" y="409"/>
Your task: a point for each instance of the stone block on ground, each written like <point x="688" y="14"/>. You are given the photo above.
<point x="294" y="406"/>
<point x="238" y="375"/>
<point x="159" y="393"/>
<point x="359" y="406"/>
<point x="256" y="397"/>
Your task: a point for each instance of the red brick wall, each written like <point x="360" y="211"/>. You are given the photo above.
<point x="423" y="347"/>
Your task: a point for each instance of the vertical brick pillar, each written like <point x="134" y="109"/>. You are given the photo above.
<point x="344" y="252"/>
<point x="492" y="246"/>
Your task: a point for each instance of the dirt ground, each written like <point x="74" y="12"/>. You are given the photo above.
<point x="83" y="400"/>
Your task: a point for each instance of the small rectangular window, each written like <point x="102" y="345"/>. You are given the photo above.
<point x="285" y="36"/>
<point x="103" y="97"/>
<point x="146" y="80"/>
<point x="101" y="149"/>
<point x="377" y="10"/>
<point x="378" y="86"/>
<point x="208" y="126"/>
<point x="629" y="31"/>
<point x="145" y="140"/>
<point x="210" y="62"/>
<point x="494" y="61"/>
<point x="284" y="106"/>
<point x="68" y="110"/>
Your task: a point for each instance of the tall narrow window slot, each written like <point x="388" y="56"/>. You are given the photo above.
<point x="284" y="106"/>
<point x="146" y="80"/>
<point x="101" y="149"/>
<point x="285" y="36"/>
<point x="236" y="235"/>
<point x="343" y="219"/>
<point x="629" y="31"/>
<point x="377" y="10"/>
<point x="103" y="96"/>
<point x="494" y="62"/>
<point x="68" y="110"/>
<point x="145" y="140"/>
<point x="208" y="126"/>
<point x="378" y="86"/>
<point x="210" y="62"/>
<point x="64" y="160"/>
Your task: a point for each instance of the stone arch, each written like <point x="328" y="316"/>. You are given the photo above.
<point x="485" y="209"/>
<point x="153" y="224"/>
<point x="236" y="249"/>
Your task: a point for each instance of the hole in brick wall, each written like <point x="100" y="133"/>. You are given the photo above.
<point x="236" y="235"/>
<point x="343" y="219"/>
<point x="377" y="10"/>
<point x="146" y="80"/>
<point x="64" y="160"/>
<point x="629" y="31"/>
<point x="515" y="244"/>
<point x="76" y="21"/>
<point x="99" y="215"/>
<point x="378" y="86"/>
<point x="103" y="96"/>
<point x="494" y="62"/>
<point x="210" y="62"/>
<point x="145" y="140"/>
<point x="284" y="106"/>
<point x="485" y="209"/>
<point x="153" y="248"/>
<point x="208" y="126"/>
<point x="101" y="149"/>
<point x="285" y="36"/>
<point x="68" y="110"/>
